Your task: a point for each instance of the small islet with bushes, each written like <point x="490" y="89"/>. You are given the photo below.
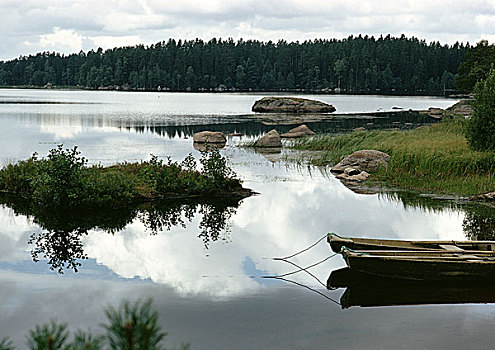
<point x="63" y="178"/>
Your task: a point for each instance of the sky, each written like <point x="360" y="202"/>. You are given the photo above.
<point x="68" y="26"/>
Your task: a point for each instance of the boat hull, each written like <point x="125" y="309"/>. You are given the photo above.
<point x="427" y="269"/>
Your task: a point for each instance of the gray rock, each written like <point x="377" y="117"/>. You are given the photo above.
<point x="351" y="171"/>
<point x="301" y="130"/>
<point x="270" y="139"/>
<point x="291" y="105"/>
<point x="485" y="197"/>
<point x="209" y="137"/>
<point x="351" y="174"/>
<point x="208" y="147"/>
<point x="436" y="112"/>
<point x="364" y="160"/>
<point x="463" y="107"/>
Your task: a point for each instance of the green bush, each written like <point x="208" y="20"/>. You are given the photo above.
<point x="480" y="129"/>
<point x="130" y="327"/>
<point x="6" y="344"/>
<point x="63" y="179"/>
<point x="58" y="181"/>
<point x="133" y="327"/>
<point x="51" y="336"/>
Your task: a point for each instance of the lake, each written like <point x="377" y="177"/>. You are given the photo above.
<point x="203" y="263"/>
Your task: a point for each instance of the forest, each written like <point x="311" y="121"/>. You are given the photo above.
<point x="357" y="64"/>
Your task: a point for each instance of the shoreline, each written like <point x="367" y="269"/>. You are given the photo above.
<point x="433" y="160"/>
<point x="231" y="91"/>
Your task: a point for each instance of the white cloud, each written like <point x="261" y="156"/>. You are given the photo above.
<point x="62" y="38"/>
<point x="108" y="41"/>
<point x="91" y="23"/>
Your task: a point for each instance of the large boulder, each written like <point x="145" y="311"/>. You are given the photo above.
<point x="351" y="174"/>
<point x="291" y="105"/>
<point x="301" y="130"/>
<point x="270" y="139"/>
<point x="209" y="137"/>
<point x="365" y="160"/>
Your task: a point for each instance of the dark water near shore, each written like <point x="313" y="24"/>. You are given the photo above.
<point x="202" y="262"/>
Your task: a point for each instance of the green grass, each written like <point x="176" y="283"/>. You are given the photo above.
<point x="64" y="179"/>
<point x="434" y="159"/>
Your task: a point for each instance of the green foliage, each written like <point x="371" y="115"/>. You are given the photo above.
<point x="86" y="341"/>
<point x="133" y="327"/>
<point x="217" y="171"/>
<point x="50" y="336"/>
<point x="358" y="64"/>
<point x="130" y="327"/>
<point x="6" y="344"/>
<point x="480" y="129"/>
<point x="478" y="61"/>
<point x="17" y="178"/>
<point x="63" y="179"/>
<point x="58" y="180"/>
<point x="437" y="158"/>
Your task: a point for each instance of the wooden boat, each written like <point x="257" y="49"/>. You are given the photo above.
<point x="423" y="265"/>
<point x="337" y="242"/>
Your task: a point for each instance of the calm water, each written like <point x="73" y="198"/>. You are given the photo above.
<point x="206" y="283"/>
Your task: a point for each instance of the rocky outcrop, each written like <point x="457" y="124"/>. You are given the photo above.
<point x="436" y="113"/>
<point x="209" y="137"/>
<point x="301" y="130"/>
<point x="485" y="197"/>
<point x="291" y="105"/>
<point x="463" y="107"/>
<point x="365" y="160"/>
<point x="351" y="174"/>
<point x="270" y="139"/>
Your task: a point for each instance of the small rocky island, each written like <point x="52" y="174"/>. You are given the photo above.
<point x="291" y="105"/>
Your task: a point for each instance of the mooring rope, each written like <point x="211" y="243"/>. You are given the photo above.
<point x="305" y="269"/>
<point x="302" y="251"/>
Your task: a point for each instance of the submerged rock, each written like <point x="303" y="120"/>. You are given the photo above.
<point x="209" y="137"/>
<point x="270" y="139"/>
<point x="365" y="160"/>
<point x="301" y="130"/>
<point x="291" y="105"/>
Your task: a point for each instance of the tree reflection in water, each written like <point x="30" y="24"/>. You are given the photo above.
<point x="479" y="219"/>
<point x="479" y="224"/>
<point x="60" y="241"/>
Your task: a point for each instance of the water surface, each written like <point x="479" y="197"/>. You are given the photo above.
<point x="208" y="286"/>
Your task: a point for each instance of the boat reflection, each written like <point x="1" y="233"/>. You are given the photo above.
<point x="370" y="291"/>
<point x="60" y="240"/>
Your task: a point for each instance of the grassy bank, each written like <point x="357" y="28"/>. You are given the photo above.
<point x="64" y="179"/>
<point x="434" y="159"/>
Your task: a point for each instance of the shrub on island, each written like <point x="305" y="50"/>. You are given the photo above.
<point x="64" y="179"/>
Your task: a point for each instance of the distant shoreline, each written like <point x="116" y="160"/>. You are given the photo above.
<point x="231" y="91"/>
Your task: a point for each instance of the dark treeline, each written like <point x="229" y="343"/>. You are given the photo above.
<point x="354" y="65"/>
